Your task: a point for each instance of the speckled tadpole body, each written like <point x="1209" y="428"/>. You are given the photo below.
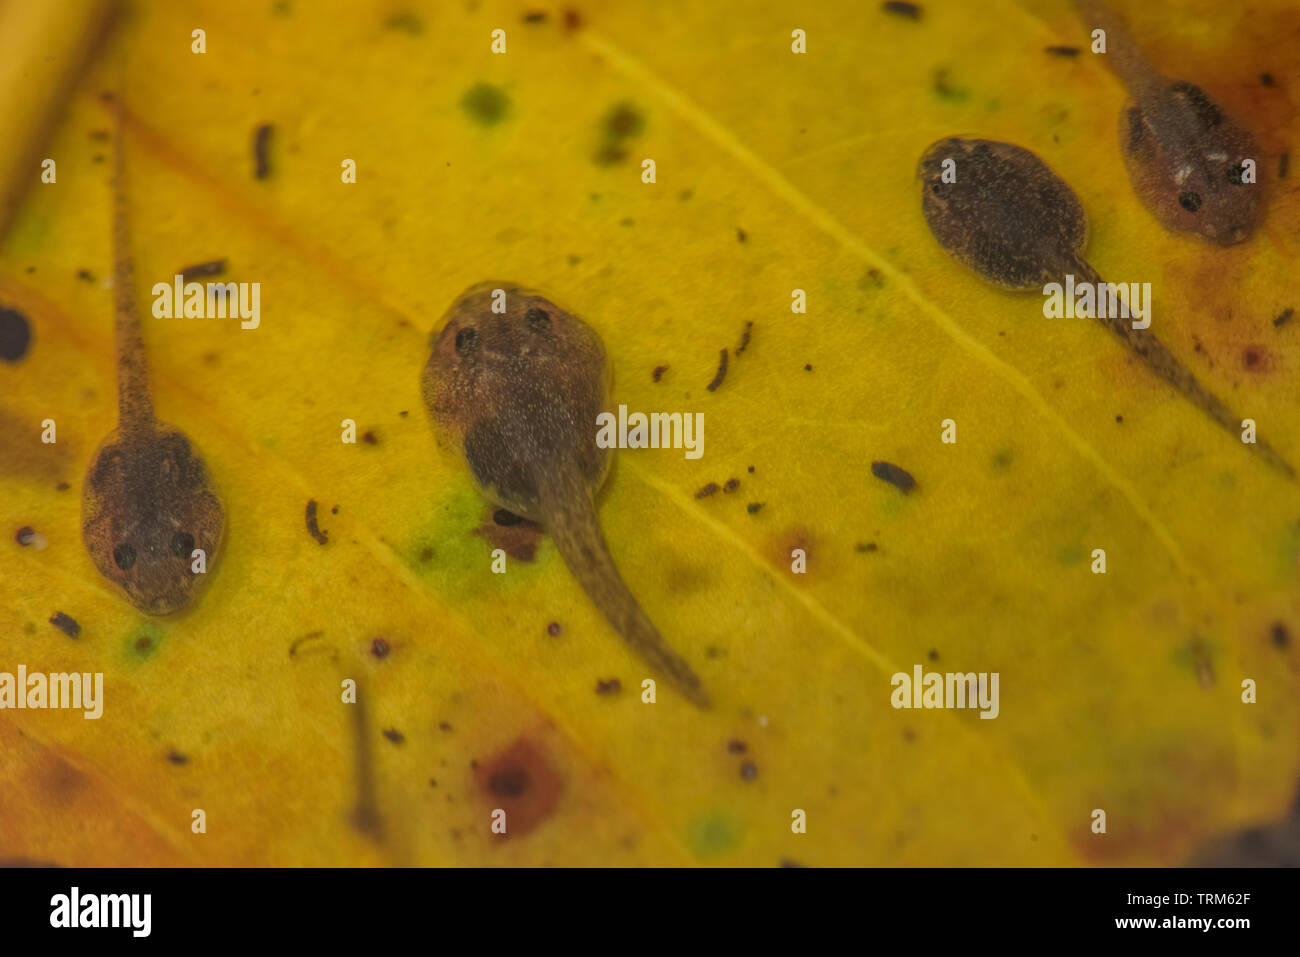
<point x="519" y="392"/>
<point x="1183" y="153"/>
<point x="1019" y="226"/>
<point x="147" y="500"/>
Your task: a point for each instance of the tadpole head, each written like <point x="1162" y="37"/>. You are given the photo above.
<point x="1000" y="210"/>
<point x="147" y="504"/>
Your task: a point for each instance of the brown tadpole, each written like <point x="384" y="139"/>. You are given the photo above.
<point x="1000" y="210"/>
<point x="147" y="500"/>
<point x="519" y="391"/>
<point x="1184" y="155"/>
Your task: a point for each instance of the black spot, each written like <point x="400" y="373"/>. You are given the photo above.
<point x="313" y="529"/>
<point x="911" y="11"/>
<point x="262" y="150"/>
<point x="1063" y="51"/>
<point x="553" y="629"/>
<point x="1280" y="637"/>
<point x="175" y="757"/>
<point x="393" y="735"/>
<point x="736" y="746"/>
<point x="1189" y="200"/>
<point x="1267" y="79"/>
<point x="66" y="624"/>
<point x="466" y="341"/>
<point x="124" y="556"/>
<point x="720" y="374"/>
<point x="1283" y="316"/>
<point x="380" y="648"/>
<point x="538" y="320"/>
<point x="502" y="517"/>
<point x="732" y="485"/>
<point x="85" y="275"/>
<point x="25" y="535"/>
<point x="863" y="547"/>
<point x="753" y="507"/>
<point x="182" y="544"/>
<point x="534" y="16"/>
<point x="706" y="490"/>
<point x="895" y="476"/>
<point x="214" y="268"/>
<point x="659" y="372"/>
<point x="612" y="686"/>
<point x="15" y="335"/>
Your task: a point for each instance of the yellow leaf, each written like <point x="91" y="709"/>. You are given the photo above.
<point x="774" y="171"/>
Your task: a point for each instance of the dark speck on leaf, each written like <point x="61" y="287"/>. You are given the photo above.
<point x="66" y="624"/>
<point x="175" y="757"/>
<point x="85" y="275"/>
<point x="911" y="11"/>
<point x="485" y="104"/>
<point x="623" y="121"/>
<point x="753" y="507"/>
<point x="808" y="367"/>
<point x="380" y="648"/>
<point x="1267" y="79"/>
<point x="1280" y="637"/>
<point x="1062" y="51"/>
<point x="62" y="487"/>
<point x="705" y="491"/>
<point x="370" y="438"/>
<point x="744" y="337"/>
<point x="312" y="528"/>
<point x="741" y="235"/>
<point x="405" y="22"/>
<point x="732" y="485"/>
<point x="1283" y="317"/>
<point x="393" y="735"/>
<point x="720" y="374"/>
<point x="748" y="770"/>
<point x="213" y="268"/>
<point x="659" y="372"/>
<point x="934" y="655"/>
<point x="864" y="547"/>
<point x="262" y="150"/>
<point x="572" y="20"/>
<point x="25" y="535"/>
<point x="444" y="726"/>
<point x="895" y="476"/>
<point x="611" y="686"/>
<point x="554" y="629"/>
<point x="736" y="746"/>
<point x="1283" y="164"/>
<point x="751" y="470"/>
<point x="502" y="517"/>
<point x="534" y="16"/>
<point x="1119" y="419"/>
<point x="426" y="554"/>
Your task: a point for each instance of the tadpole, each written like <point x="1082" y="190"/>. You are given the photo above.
<point x="1011" y="219"/>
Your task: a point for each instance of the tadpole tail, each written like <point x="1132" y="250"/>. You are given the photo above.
<point x="570" y="517"/>
<point x="1165" y="364"/>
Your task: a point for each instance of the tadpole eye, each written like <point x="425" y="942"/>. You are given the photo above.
<point x="538" y="320"/>
<point x="183" y="544"/>
<point x="124" y="556"/>
<point x="466" y="341"/>
<point x="1189" y="201"/>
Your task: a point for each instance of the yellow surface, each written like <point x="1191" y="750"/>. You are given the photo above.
<point x="1106" y="700"/>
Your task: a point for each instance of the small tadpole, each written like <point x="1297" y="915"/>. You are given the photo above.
<point x="1002" y="212"/>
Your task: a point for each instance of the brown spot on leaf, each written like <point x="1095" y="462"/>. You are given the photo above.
<point x="705" y="491"/>
<point x="659" y="372"/>
<point x="610" y="686"/>
<point x="380" y="648"/>
<point x="720" y="374"/>
<point x="519" y="781"/>
<point x="393" y="735"/>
